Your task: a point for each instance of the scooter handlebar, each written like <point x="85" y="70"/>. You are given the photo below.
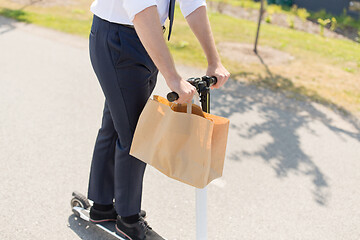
<point x="208" y="81"/>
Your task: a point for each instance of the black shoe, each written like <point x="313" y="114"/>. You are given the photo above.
<point x="98" y="216"/>
<point x="136" y="231"/>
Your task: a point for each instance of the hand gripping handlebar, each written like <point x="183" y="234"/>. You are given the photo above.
<point x="202" y="85"/>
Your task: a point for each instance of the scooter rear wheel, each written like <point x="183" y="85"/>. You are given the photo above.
<point x="79" y="200"/>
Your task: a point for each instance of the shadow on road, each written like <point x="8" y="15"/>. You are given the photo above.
<point x="13" y="15"/>
<point x="6" y="25"/>
<point x="281" y="120"/>
<point x="86" y="230"/>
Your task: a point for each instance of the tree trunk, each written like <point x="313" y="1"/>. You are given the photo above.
<point x="259" y="24"/>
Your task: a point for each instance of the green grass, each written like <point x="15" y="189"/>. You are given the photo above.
<point x="309" y="49"/>
<point x="225" y="29"/>
<point x="51" y="20"/>
<point x="298" y="43"/>
<point x="15" y="14"/>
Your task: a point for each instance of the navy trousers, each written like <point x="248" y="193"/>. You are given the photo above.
<point x="127" y="76"/>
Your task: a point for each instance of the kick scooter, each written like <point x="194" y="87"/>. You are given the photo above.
<point x="203" y="88"/>
<point x="81" y="205"/>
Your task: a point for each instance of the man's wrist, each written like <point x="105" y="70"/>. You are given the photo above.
<point x="172" y="77"/>
<point x="214" y="61"/>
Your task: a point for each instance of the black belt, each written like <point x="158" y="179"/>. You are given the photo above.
<point x="132" y="26"/>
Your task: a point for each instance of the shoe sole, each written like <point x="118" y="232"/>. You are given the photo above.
<point x="101" y="221"/>
<point x="122" y="234"/>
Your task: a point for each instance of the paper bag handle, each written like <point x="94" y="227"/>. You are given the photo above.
<point x="196" y="98"/>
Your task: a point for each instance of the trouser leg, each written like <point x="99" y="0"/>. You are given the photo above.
<point x="127" y="77"/>
<point x="101" y="180"/>
<point x="129" y="171"/>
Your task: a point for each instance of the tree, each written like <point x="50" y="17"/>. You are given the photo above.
<point x="259" y="24"/>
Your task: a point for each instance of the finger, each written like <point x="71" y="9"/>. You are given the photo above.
<point x="190" y="97"/>
<point x="217" y="85"/>
<point x="192" y="92"/>
<point x="184" y="99"/>
<point x="222" y="80"/>
<point x="227" y="76"/>
<point x="181" y="99"/>
<point x="214" y="86"/>
<point x="187" y="98"/>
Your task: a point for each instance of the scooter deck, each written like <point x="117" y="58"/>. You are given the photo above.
<point x="108" y="227"/>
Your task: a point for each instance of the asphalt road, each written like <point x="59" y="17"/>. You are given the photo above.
<point x="291" y="171"/>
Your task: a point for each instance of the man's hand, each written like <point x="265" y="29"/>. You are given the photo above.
<point x="219" y="71"/>
<point x="184" y="89"/>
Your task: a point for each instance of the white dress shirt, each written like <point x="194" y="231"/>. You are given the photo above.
<point x="124" y="11"/>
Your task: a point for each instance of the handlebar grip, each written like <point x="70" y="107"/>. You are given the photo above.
<point x="172" y="96"/>
<point x="213" y="80"/>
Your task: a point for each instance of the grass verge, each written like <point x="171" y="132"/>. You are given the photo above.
<point x="58" y="22"/>
<point x="324" y="70"/>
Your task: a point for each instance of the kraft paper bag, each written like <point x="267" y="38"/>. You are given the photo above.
<point x="181" y="141"/>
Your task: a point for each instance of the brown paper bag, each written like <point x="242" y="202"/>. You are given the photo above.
<point x="189" y="147"/>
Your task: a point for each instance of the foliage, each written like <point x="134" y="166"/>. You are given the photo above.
<point x="320" y="14"/>
<point x="333" y="24"/>
<point x="274" y="8"/>
<point x="291" y="21"/>
<point x="268" y="18"/>
<point x="323" y="23"/>
<point x="303" y="14"/>
<point x="294" y="9"/>
<point x="343" y="21"/>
